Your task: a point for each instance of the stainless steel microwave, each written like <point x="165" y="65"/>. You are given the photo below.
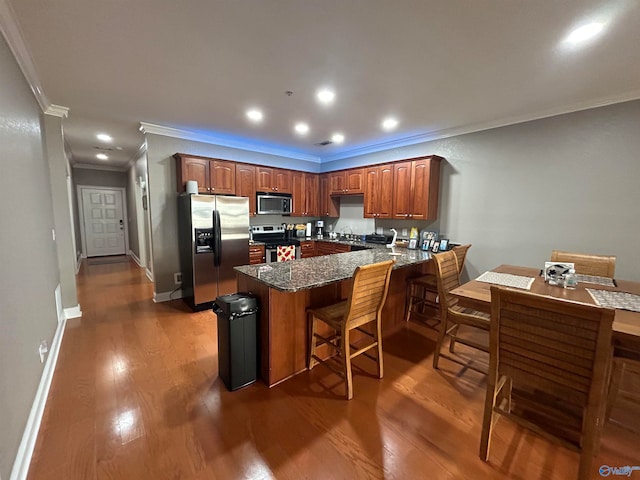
<point x="273" y="203"/>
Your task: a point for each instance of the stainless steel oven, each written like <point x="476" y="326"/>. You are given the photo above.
<point x="273" y="236"/>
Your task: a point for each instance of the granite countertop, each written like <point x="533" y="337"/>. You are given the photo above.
<point x="315" y="272"/>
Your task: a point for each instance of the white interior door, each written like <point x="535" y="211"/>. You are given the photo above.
<point x="103" y="218"/>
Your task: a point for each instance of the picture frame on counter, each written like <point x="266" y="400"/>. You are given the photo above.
<point x="413" y="243"/>
<point x="435" y="248"/>
<point x="444" y="244"/>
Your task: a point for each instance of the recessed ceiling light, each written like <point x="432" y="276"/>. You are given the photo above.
<point x="302" y="128"/>
<point x="585" y="32"/>
<point x="337" y="138"/>
<point x="102" y="156"/>
<point x="103" y="137"/>
<point x="254" y="115"/>
<point x="389" y="123"/>
<point x="325" y="95"/>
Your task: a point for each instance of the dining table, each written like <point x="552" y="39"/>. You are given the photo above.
<point x="476" y="294"/>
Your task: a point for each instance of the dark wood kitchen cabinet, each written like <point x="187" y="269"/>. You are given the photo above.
<point x="246" y="185"/>
<point x="346" y="182"/>
<point x="329" y="248"/>
<point x="378" y="191"/>
<point x="305" y="193"/>
<point x="213" y="176"/>
<point x="273" y="180"/>
<point x="329" y="206"/>
<point x="308" y="249"/>
<point x="256" y="254"/>
<point x="416" y="183"/>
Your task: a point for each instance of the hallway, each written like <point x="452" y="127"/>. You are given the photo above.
<point x="136" y="396"/>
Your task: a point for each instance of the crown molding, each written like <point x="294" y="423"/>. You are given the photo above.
<point x="57" y="111"/>
<point x="142" y="149"/>
<point x="89" y="166"/>
<point x="224" y="142"/>
<point x="477" y="127"/>
<point x="15" y="39"/>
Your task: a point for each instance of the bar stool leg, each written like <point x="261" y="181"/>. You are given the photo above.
<point x="312" y="341"/>
<point x="346" y="362"/>
<point x="379" y="341"/>
<point x="441" y="334"/>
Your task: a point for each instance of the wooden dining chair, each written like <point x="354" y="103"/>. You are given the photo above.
<point x="549" y="360"/>
<point x="422" y="291"/>
<point x="626" y="360"/>
<point x="363" y="308"/>
<point x="587" y="264"/>
<point x="451" y="314"/>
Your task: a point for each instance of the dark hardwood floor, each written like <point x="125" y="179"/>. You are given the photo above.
<point x="136" y="396"/>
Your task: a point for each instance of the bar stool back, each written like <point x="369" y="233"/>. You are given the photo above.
<point x="363" y="306"/>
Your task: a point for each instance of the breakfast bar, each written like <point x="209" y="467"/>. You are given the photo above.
<point x="285" y="291"/>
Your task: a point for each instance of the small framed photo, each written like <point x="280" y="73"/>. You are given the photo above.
<point x="413" y="243"/>
<point x="444" y="244"/>
<point x="435" y="247"/>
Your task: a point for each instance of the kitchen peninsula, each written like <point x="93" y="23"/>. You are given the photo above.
<point x="285" y="290"/>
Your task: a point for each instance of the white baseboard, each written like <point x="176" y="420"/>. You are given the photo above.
<point x="149" y="274"/>
<point x="167" y="296"/>
<point x="25" y="451"/>
<point x="73" y="312"/>
<point x="135" y="258"/>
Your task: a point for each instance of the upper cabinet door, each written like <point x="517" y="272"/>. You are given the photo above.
<point x="283" y="182"/>
<point x="298" y="195"/>
<point x="222" y="177"/>
<point x="246" y="184"/>
<point x="311" y="193"/>
<point x="354" y="181"/>
<point x="378" y="191"/>
<point x="264" y="179"/>
<point x="425" y="181"/>
<point x="273" y="180"/>
<point x="402" y="190"/>
<point x="336" y="183"/>
<point x="193" y="169"/>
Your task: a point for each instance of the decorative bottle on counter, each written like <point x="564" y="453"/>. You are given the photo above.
<point x="571" y="279"/>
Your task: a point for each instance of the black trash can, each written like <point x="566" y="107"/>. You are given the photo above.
<point x="237" y="339"/>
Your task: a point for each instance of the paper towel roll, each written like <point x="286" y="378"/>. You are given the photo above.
<point x="192" y="186"/>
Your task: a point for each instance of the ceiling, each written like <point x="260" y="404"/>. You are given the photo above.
<point x="440" y="67"/>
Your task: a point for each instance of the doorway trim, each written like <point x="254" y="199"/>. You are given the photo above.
<point x="83" y="235"/>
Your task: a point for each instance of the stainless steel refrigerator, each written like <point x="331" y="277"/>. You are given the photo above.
<point x="213" y="238"/>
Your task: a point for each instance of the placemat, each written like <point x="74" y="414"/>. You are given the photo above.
<point x="507" y="280"/>
<point x="619" y="300"/>
<point x="607" y="282"/>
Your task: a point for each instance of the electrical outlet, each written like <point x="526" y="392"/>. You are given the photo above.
<point x="177" y="278"/>
<point x="405" y="232"/>
<point x="43" y="349"/>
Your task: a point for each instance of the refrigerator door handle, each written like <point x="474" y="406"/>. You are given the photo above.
<point x="217" y="239"/>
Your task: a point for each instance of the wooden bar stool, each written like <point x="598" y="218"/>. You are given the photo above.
<point x="363" y="306"/>
<point x="422" y="292"/>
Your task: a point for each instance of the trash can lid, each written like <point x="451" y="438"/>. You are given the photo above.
<point x="236" y="303"/>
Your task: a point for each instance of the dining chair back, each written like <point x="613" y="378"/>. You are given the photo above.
<point x="362" y="311"/>
<point x="587" y="264"/>
<point x="422" y="292"/>
<point x="549" y="361"/>
<point x="452" y="315"/>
